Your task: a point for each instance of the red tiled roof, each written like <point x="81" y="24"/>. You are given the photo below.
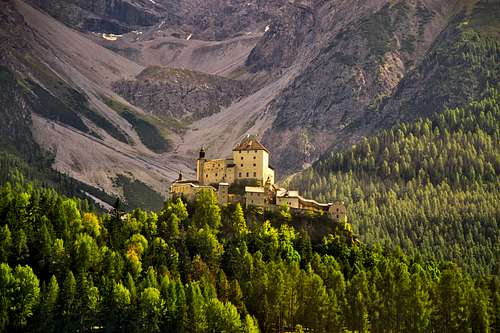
<point x="250" y="143"/>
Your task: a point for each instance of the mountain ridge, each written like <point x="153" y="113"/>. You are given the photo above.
<point x="308" y="77"/>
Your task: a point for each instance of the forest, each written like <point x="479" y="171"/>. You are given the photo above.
<point x="418" y="253"/>
<point x="199" y="267"/>
<point x="430" y="187"/>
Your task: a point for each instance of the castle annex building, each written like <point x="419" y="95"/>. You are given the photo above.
<point x="248" y="178"/>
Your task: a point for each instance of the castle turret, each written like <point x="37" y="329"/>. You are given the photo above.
<point x="199" y="166"/>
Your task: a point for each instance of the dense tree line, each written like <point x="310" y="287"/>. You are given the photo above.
<point x="204" y="268"/>
<point x="431" y="187"/>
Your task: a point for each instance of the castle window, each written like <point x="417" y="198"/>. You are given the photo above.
<point x="241" y="164"/>
<point x="337" y="216"/>
<point x="254" y="157"/>
<point x="255" y="174"/>
<point x="337" y="209"/>
<point x="255" y="151"/>
<point x="254" y="164"/>
<point x="240" y="174"/>
<point x="215" y="175"/>
<point x="206" y="176"/>
<point x="247" y="174"/>
<point x="242" y="158"/>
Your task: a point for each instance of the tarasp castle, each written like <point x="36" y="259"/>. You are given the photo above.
<point x="248" y="178"/>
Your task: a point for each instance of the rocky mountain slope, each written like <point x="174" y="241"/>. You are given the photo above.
<point x="143" y="83"/>
<point x="177" y="93"/>
<point x="377" y="70"/>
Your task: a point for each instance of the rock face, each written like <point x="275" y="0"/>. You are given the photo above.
<point x="364" y="56"/>
<point x="209" y="20"/>
<point x="177" y="93"/>
<point x="111" y="16"/>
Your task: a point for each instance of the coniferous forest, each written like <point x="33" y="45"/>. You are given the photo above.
<point x="103" y="98"/>
<point x="419" y="252"/>
<point x="430" y="187"/>
<point x="198" y="267"/>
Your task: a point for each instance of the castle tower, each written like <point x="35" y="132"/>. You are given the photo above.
<point x="199" y="166"/>
<point x="251" y="160"/>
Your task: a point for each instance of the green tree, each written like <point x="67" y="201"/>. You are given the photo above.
<point x="151" y="310"/>
<point x="5" y="243"/>
<point x="197" y="321"/>
<point x="7" y="291"/>
<point x="26" y="296"/>
<point x="68" y="302"/>
<point x="48" y="314"/>
<point x="222" y="317"/>
<point x="207" y="212"/>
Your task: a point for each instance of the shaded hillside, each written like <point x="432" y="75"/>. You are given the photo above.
<point x="51" y="103"/>
<point x="15" y="127"/>
<point x="431" y="186"/>
<point x="212" y="20"/>
<point x="106" y="15"/>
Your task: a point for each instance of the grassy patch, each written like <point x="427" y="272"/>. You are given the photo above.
<point x="151" y="130"/>
<point x="79" y="103"/>
<point x="139" y="194"/>
<point x="51" y="107"/>
<point x="150" y="135"/>
<point x="65" y="104"/>
<point x="68" y="109"/>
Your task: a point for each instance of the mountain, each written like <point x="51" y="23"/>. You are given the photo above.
<point x="129" y="90"/>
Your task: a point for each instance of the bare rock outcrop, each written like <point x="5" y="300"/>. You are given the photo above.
<point x="178" y="93"/>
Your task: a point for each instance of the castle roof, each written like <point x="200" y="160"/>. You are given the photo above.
<point x="250" y="143"/>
